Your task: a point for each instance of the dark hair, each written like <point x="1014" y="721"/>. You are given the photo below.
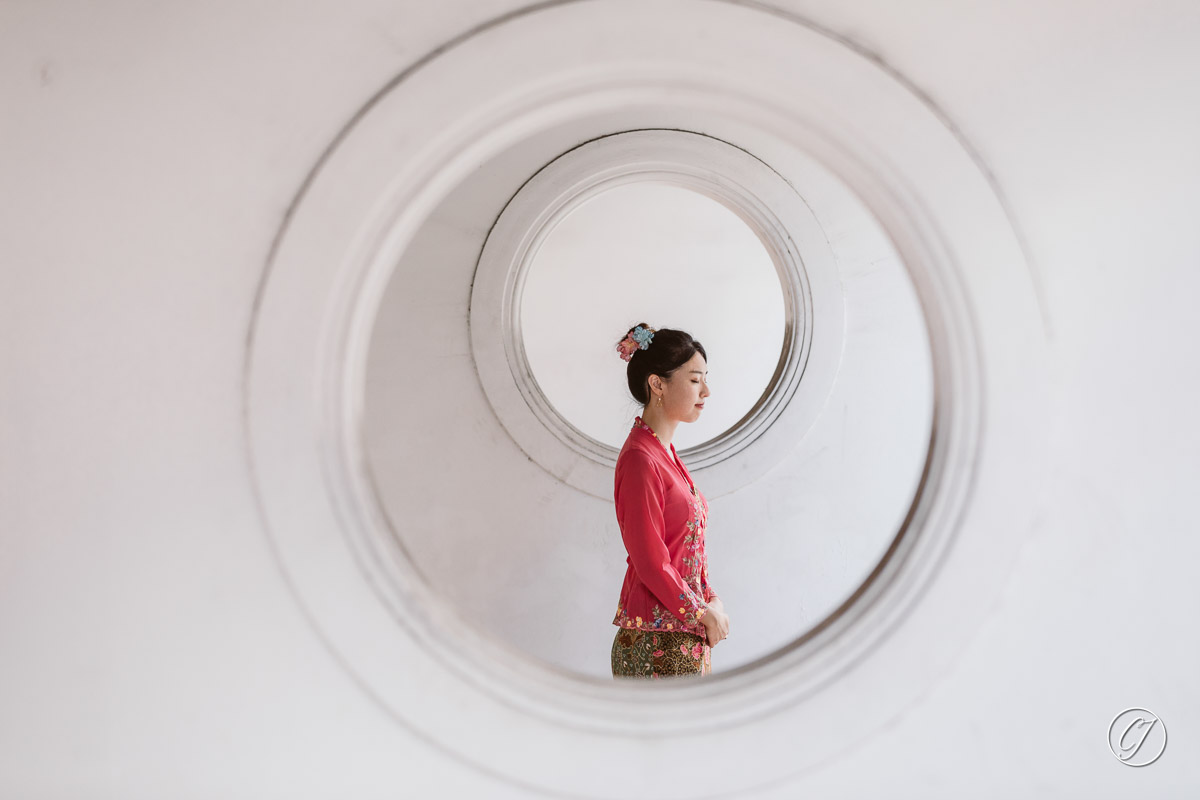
<point x="668" y="351"/>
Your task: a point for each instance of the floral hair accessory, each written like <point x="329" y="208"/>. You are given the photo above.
<point x="637" y="339"/>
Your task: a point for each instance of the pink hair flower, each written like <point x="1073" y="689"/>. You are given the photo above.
<point x="637" y="339"/>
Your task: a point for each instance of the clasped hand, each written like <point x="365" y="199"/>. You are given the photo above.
<point x="715" y="622"/>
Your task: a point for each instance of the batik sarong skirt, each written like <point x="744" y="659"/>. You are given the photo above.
<point x="659" y="654"/>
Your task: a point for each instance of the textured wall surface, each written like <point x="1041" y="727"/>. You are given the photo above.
<point x="150" y="645"/>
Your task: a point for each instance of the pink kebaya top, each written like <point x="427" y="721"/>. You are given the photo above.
<point x="663" y="518"/>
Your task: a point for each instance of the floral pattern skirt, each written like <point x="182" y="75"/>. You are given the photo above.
<point x="659" y="654"/>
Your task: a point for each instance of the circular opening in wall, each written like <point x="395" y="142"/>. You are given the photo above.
<point x="672" y="228"/>
<point x="662" y="254"/>
<point x="417" y="504"/>
<point x="842" y="417"/>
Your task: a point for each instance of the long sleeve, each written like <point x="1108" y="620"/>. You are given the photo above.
<point x="639" y="499"/>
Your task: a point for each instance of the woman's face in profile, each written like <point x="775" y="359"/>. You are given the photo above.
<point x="686" y="390"/>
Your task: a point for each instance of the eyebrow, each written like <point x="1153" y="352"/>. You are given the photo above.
<point x="698" y="372"/>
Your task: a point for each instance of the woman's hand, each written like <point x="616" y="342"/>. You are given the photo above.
<point x="715" y="622"/>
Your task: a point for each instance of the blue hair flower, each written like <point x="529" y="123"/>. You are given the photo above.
<point x="637" y="339"/>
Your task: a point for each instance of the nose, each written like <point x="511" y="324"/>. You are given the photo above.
<point x="704" y="392"/>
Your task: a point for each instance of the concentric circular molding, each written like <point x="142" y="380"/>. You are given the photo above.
<point x="771" y="208"/>
<point x="305" y="372"/>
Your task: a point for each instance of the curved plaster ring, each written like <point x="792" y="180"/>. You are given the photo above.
<point x="860" y="668"/>
<point x="769" y="206"/>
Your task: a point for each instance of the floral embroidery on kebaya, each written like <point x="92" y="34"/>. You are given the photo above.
<point x="688" y="572"/>
<point x="688" y="618"/>
<point x="638" y="422"/>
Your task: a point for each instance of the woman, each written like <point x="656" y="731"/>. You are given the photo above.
<point x="668" y="615"/>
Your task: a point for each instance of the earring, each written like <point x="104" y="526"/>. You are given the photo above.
<point x="660" y="401"/>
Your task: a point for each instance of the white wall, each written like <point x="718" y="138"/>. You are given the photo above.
<point x="656" y="250"/>
<point x="150" y="644"/>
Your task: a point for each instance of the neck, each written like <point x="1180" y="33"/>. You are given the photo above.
<point x="662" y="426"/>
